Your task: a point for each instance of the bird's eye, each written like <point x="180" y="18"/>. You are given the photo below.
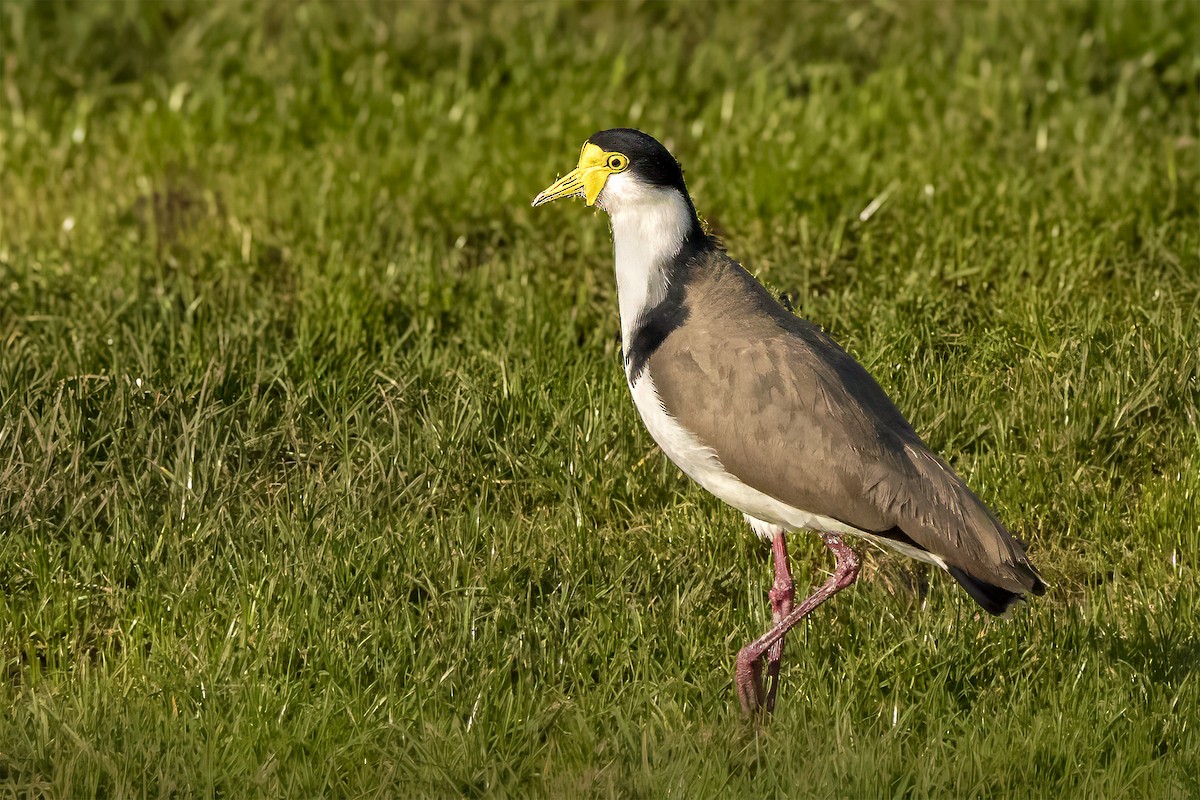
<point x="617" y="162"/>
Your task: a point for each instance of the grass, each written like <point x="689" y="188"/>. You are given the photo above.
<point x="318" y="474"/>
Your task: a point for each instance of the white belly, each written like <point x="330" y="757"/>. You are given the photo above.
<point x="765" y="514"/>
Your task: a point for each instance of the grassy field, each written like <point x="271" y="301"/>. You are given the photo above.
<point x="319" y="474"/>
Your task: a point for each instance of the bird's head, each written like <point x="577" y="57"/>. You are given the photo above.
<point x="619" y="167"/>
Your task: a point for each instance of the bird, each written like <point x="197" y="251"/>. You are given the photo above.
<point x="767" y="412"/>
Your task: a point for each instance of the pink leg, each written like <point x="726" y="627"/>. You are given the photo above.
<point x="748" y="673"/>
<point x="782" y="595"/>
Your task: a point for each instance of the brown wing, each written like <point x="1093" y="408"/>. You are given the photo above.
<point x="793" y="415"/>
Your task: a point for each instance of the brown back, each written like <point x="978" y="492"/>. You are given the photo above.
<point x="793" y="415"/>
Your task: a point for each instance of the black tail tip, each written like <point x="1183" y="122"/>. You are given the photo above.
<point x="993" y="599"/>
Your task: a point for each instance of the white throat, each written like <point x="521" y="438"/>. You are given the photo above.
<point x="649" y="225"/>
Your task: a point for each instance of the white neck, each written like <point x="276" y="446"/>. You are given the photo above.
<point x="649" y="225"/>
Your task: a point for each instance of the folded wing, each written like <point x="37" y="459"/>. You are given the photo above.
<point x="793" y="415"/>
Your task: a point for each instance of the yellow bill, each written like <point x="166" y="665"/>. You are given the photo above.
<point x="588" y="178"/>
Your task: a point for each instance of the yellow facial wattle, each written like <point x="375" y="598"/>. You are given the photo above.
<point x="588" y="178"/>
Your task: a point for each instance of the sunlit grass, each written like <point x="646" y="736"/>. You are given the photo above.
<point x="319" y="476"/>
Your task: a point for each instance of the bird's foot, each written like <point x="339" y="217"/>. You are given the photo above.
<point x="783" y="596"/>
<point x="747" y="678"/>
<point x="748" y="673"/>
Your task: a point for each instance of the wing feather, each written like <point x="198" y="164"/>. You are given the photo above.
<point x="791" y="414"/>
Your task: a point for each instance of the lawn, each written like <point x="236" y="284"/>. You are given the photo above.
<point x="318" y="470"/>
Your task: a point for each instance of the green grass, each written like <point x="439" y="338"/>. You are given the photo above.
<point x="319" y="475"/>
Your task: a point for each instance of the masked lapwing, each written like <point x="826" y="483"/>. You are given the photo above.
<point x="767" y="412"/>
